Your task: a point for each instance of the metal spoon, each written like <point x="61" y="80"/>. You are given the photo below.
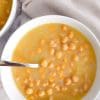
<point x="14" y="64"/>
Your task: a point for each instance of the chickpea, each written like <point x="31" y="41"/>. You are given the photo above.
<point x="29" y="91"/>
<point x="53" y="43"/>
<point x="49" y="91"/>
<point x="51" y="65"/>
<point x="81" y="49"/>
<point x="51" y="79"/>
<point x="38" y="82"/>
<point x="57" y="88"/>
<point x="65" y="39"/>
<point x="25" y="81"/>
<point x="44" y="63"/>
<point x="68" y="81"/>
<point x="28" y="71"/>
<point x="71" y="35"/>
<point x="58" y="68"/>
<point x="72" y="46"/>
<point x="53" y="85"/>
<point x="45" y="84"/>
<point x="42" y="93"/>
<point x="61" y="74"/>
<point x="65" y="47"/>
<point x="54" y="74"/>
<point x="75" y="41"/>
<point x="52" y="51"/>
<point x="31" y="84"/>
<point x="76" y="58"/>
<point x="64" y="28"/>
<point x="72" y="64"/>
<point x="58" y="54"/>
<point x="75" y="79"/>
<point x="64" y="88"/>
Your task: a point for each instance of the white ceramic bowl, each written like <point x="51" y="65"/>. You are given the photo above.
<point x="10" y="18"/>
<point x="6" y="74"/>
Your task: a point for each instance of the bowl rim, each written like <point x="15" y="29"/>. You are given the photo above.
<point x="26" y="30"/>
<point x="10" y="19"/>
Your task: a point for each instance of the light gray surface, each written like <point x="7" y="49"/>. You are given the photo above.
<point x="86" y="11"/>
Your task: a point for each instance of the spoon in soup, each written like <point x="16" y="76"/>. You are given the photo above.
<point x="18" y="64"/>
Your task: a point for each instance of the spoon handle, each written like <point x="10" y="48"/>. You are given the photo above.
<point x="8" y="63"/>
<point x="14" y="64"/>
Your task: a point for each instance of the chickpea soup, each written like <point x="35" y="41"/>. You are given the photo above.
<point x="5" y="8"/>
<point x="67" y="63"/>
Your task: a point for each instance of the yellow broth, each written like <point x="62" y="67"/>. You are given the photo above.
<point x="67" y="63"/>
<point x="5" y="8"/>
